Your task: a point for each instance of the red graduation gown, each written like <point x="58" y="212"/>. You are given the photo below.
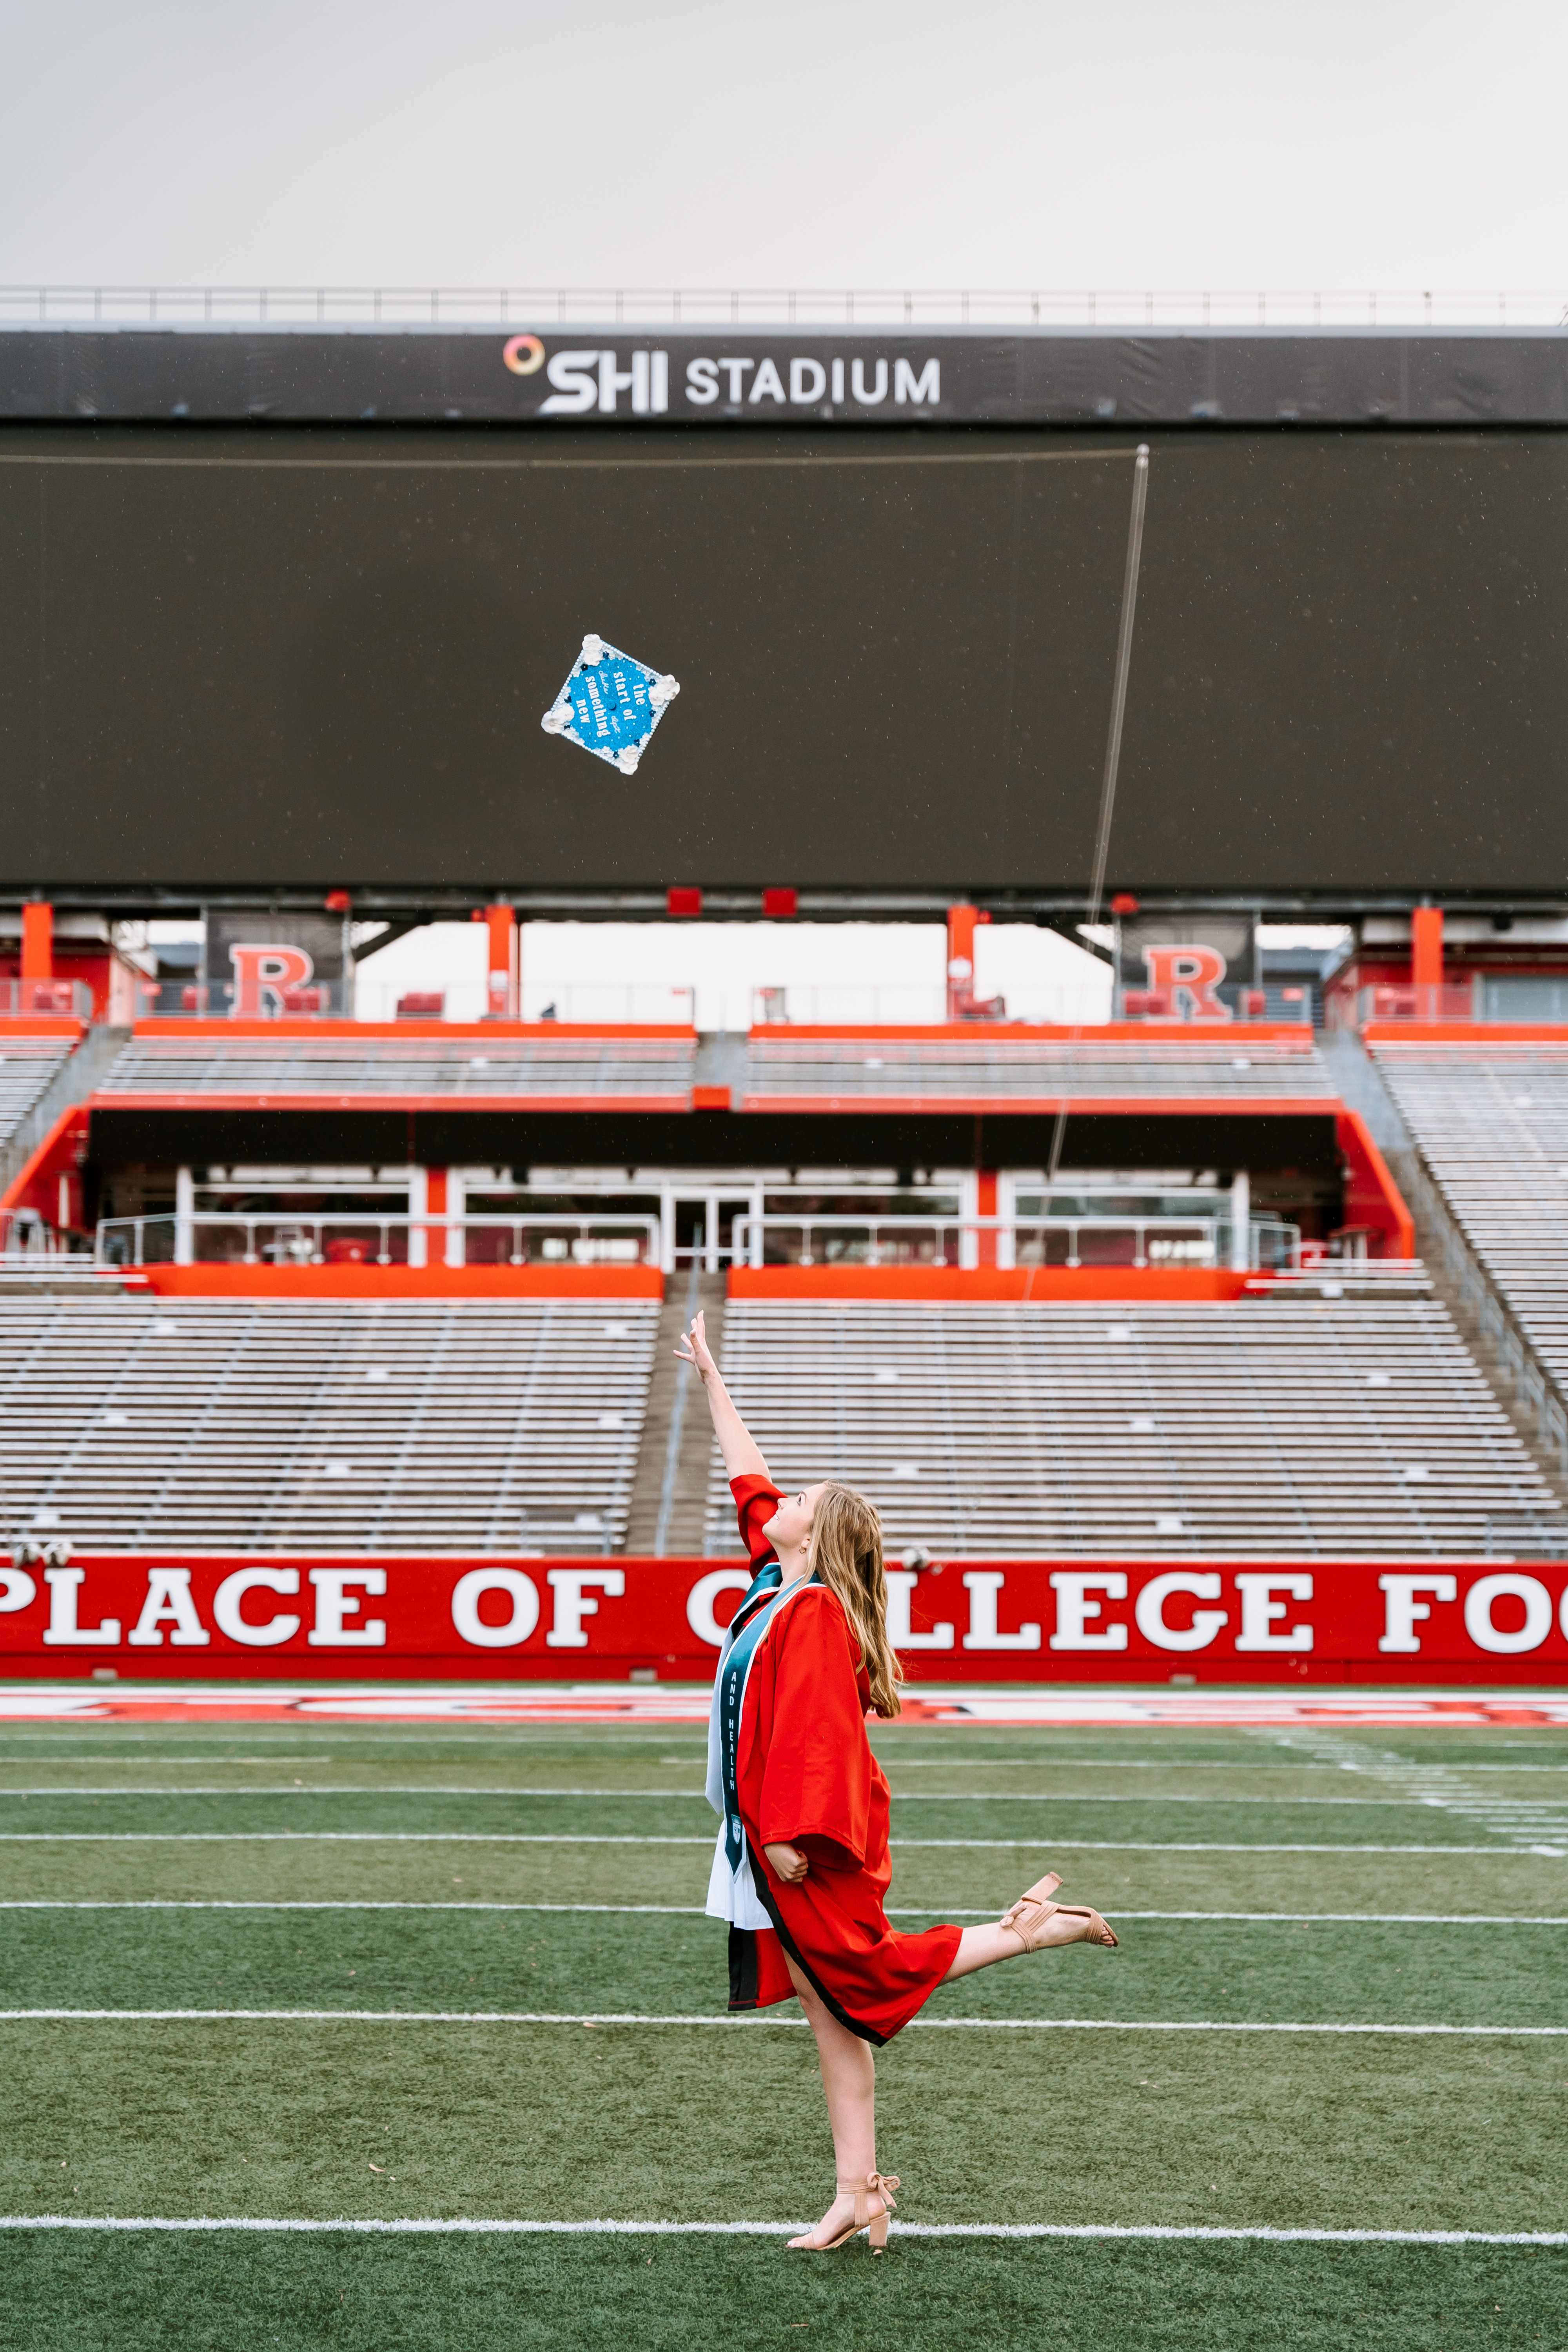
<point x="807" y="1779"/>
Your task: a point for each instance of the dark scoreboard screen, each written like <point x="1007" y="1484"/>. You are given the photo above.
<point x="237" y="656"/>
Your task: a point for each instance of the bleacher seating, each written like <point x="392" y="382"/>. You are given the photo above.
<point x="1354" y="1428"/>
<point x="788" y="1070"/>
<point x="380" y="1426"/>
<point x="204" y="1071"/>
<point x="1491" y="1123"/>
<point x="27" y="1066"/>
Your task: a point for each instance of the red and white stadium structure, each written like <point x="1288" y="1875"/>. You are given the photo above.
<point x="343" y="1349"/>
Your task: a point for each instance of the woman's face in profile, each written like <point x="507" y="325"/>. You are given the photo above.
<point x="790" y="1526"/>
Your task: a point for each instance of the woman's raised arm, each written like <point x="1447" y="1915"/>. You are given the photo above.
<point x="741" y="1451"/>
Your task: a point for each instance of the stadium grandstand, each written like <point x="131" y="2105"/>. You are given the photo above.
<point x="28" y="1065"/>
<point x="1225" y="1430"/>
<point x="1488" y="1118"/>
<point x="1203" y="1334"/>
<point x="385" y="1425"/>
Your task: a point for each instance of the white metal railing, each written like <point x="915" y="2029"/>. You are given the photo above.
<point x="198" y="1000"/>
<point x="958" y="1241"/>
<point x="1485" y="997"/>
<point x="26" y="1237"/>
<point x="852" y="307"/>
<point x="1417" y="1001"/>
<point x="366" y="997"/>
<point x="1172" y="1008"/>
<point x="236" y="1237"/>
<point x="633" y="1002"/>
<point x="23" y="999"/>
<point x="841" y="1004"/>
<point x="1331" y="1278"/>
<point x="629" y="1000"/>
<point x="30" y="1247"/>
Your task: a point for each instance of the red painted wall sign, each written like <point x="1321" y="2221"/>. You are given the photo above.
<point x="975" y="1621"/>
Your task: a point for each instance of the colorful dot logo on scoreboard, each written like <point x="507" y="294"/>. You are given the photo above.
<point x="610" y="704"/>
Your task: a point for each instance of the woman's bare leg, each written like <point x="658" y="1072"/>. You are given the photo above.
<point x="981" y="1948"/>
<point x="849" y="2080"/>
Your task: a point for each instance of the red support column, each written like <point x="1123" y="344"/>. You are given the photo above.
<point x="961" y="922"/>
<point x="37" y="940"/>
<point x="437" y="1252"/>
<point x="963" y="1005"/>
<point x="500" y="923"/>
<point x="985" y="1206"/>
<point x="1426" y="953"/>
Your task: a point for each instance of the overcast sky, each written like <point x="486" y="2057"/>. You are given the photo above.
<point x="1398" y="143"/>
<point x="1411" y="144"/>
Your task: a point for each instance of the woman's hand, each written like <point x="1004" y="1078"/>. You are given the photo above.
<point x="787" y="1862"/>
<point x="742" y="1455"/>
<point x="694" y="1350"/>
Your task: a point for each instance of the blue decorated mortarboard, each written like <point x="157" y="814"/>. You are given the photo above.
<point x="610" y="704"/>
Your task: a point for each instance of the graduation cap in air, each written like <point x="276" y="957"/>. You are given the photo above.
<point x="610" y="704"/>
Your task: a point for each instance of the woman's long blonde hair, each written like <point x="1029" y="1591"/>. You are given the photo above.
<point x="847" y="1554"/>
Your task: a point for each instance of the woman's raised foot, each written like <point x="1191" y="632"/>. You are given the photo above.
<point x="1040" y="1924"/>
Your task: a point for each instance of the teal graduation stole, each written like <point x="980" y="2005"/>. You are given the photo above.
<point x="762" y="1598"/>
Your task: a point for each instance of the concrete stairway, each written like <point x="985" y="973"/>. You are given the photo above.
<point x="1360" y="1084"/>
<point x="72" y="1083"/>
<point x="670" y="1489"/>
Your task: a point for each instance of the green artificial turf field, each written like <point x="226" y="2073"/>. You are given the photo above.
<point x="316" y="1973"/>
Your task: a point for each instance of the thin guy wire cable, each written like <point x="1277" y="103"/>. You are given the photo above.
<point x="1113" y="738"/>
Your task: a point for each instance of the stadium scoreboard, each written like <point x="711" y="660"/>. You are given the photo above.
<point x="261" y="645"/>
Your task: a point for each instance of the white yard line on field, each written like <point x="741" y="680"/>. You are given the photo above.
<point x="750" y="2020"/>
<point x="698" y="1796"/>
<point x="1064" y="1763"/>
<point x="965" y="1706"/>
<point x="463" y="2227"/>
<point x="410" y="1789"/>
<point x="107" y="1742"/>
<point x="594" y="1837"/>
<point x="696" y="1911"/>
<point x="1526" y="1821"/>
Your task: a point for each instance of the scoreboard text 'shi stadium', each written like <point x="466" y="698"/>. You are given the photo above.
<point x="279" y="610"/>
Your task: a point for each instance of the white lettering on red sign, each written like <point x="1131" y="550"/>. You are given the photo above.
<point x="1150" y="1610"/>
<point x="1259" y="1611"/>
<point x="901" y="1582"/>
<point x="1481" y="1624"/>
<point x="1402" y="1612"/>
<point x="168" y="1602"/>
<point x="1072" y="1588"/>
<point x="335" y="1604"/>
<point x="63" y="1631"/>
<point x="572" y="1603"/>
<point x="17" y="1590"/>
<point x="983" y="1586"/>
<point x="523" y="1594"/>
<point x="229" y="1619"/>
<point x="706" y="1590"/>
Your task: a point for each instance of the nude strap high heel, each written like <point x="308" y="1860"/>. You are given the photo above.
<point x="876" y="2184"/>
<point x="1028" y="1918"/>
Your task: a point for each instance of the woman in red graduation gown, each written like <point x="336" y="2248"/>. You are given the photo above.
<point x="801" y="1868"/>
